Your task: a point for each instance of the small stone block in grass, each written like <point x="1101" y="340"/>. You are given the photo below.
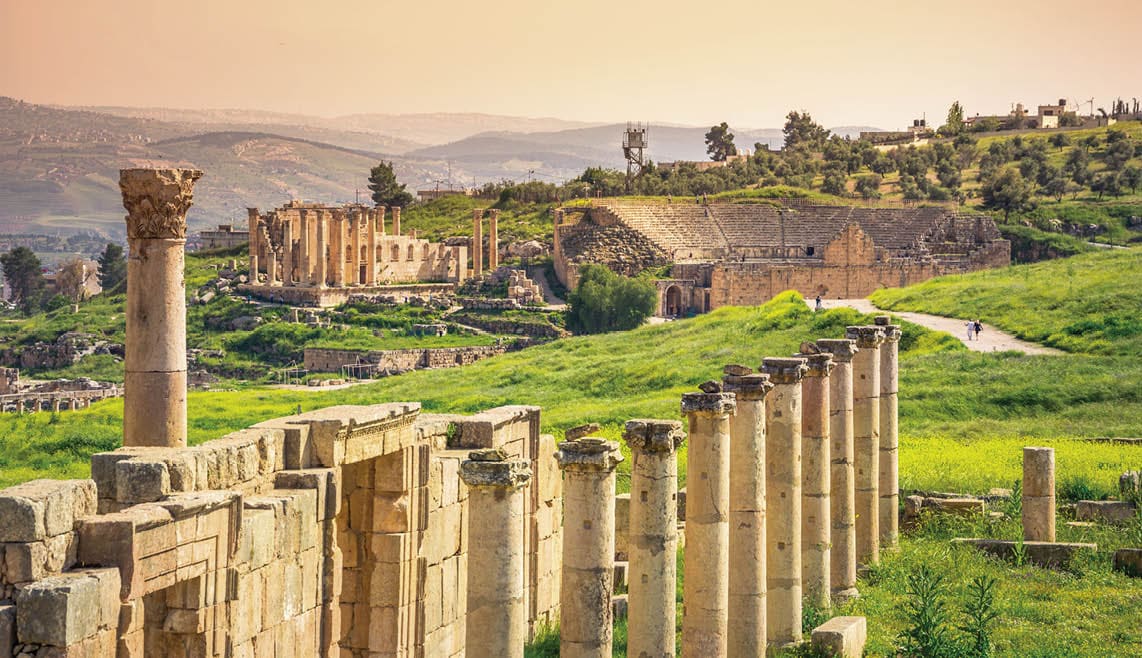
<point x="841" y="637"/>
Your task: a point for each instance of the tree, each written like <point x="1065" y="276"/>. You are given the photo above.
<point x="1007" y="191"/>
<point x="801" y="130"/>
<point x="869" y="186"/>
<point x="386" y="190"/>
<point x="71" y="280"/>
<point x="23" y="272"/>
<point x="720" y="142"/>
<point x="1132" y="177"/>
<point x="604" y="301"/>
<point x="955" y="123"/>
<point x="112" y="267"/>
<point x="1059" y="140"/>
<point x="1054" y="183"/>
<point x="1077" y="166"/>
<point x="834" y="182"/>
<point x="1118" y="152"/>
<point x="1106" y="182"/>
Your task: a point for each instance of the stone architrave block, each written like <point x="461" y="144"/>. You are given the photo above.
<point x="38" y="509"/>
<point x="62" y="610"/>
<point x="1050" y="555"/>
<point x="841" y="637"/>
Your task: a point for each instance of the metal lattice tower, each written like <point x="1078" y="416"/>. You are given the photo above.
<point x="634" y="150"/>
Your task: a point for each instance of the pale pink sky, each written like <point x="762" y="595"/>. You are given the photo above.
<point x="876" y="62"/>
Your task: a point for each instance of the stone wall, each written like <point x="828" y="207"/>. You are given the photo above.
<point x="339" y="532"/>
<point x="331" y="360"/>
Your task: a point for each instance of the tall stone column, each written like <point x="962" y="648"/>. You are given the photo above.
<point x="747" y="632"/>
<point x="493" y="239"/>
<point x="497" y="611"/>
<point x="356" y="224"/>
<point x="889" y="436"/>
<point x="154" y="409"/>
<point x="652" y="546"/>
<point x="287" y="252"/>
<point x="866" y="440"/>
<point x="783" y="500"/>
<point x="585" y="617"/>
<point x="1038" y="494"/>
<point x="304" y="250"/>
<point x="842" y="557"/>
<point x="396" y="220"/>
<point x="705" y="589"/>
<point x="338" y="264"/>
<point x="371" y="257"/>
<point x="254" y="245"/>
<point x="321" y="273"/>
<point x="477" y="242"/>
<point x="816" y="460"/>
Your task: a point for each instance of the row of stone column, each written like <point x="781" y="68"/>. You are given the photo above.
<point x="324" y="248"/>
<point x="35" y="404"/>
<point x="493" y="251"/>
<point x="797" y="445"/>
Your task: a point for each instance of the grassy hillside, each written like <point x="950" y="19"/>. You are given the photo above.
<point x="1086" y="304"/>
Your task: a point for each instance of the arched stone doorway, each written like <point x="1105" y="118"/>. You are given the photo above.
<point x="673" y="306"/>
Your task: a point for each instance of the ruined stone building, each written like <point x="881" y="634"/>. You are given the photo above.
<point x="315" y="254"/>
<point x="743" y="254"/>
<point x="382" y="532"/>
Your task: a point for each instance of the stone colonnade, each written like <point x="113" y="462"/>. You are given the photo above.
<point x="770" y="506"/>
<point x="319" y="246"/>
<point x="478" y="242"/>
<point x="156" y="200"/>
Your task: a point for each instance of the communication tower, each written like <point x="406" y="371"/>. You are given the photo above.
<point x="634" y="149"/>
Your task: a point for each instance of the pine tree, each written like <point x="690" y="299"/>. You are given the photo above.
<point x="386" y="190"/>
<point x="112" y="267"/>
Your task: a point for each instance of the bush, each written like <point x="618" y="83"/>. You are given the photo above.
<point x="605" y="301"/>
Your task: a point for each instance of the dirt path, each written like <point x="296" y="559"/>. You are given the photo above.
<point x="536" y="274"/>
<point x="990" y="339"/>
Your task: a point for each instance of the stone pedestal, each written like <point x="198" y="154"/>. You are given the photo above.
<point x="585" y="616"/>
<point x="747" y="632"/>
<point x="889" y="436"/>
<point x="705" y="593"/>
<point x="1039" y="494"/>
<point x="783" y="501"/>
<point x="866" y="440"/>
<point x="842" y="556"/>
<point x="816" y="535"/>
<point x="477" y="242"/>
<point x="497" y="612"/>
<point x="154" y="410"/>
<point x="652" y="546"/>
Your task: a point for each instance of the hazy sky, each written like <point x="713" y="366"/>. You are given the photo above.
<point x="872" y="62"/>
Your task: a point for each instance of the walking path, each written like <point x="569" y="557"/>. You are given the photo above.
<point x="536" y="274"/>
<point x="990" y="339"/>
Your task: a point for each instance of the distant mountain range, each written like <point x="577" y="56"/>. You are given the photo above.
<point x="59" y="166"/>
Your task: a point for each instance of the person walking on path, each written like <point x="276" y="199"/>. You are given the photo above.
<point x="971" y="328"/>
<point x="978" y="328"/>
<point x="818" y="307"/>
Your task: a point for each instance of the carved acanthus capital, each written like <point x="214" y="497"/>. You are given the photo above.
<point x="784" y="371"/>
<point x="653" y="435"/>
<point x="866" y="337"/>
<point x="157" y="200"/>
<point x="842" y="349"/>
<point x="820" y="365"/>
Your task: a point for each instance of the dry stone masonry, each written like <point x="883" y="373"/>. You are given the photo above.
<point x="382" y="532"/>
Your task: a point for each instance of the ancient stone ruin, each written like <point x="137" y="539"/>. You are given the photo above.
<point x="743" y="254"/>
<point x="318" y="255"/>
<point x="377" y="531"/>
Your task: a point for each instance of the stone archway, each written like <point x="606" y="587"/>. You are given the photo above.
<point x="673" y="305"/>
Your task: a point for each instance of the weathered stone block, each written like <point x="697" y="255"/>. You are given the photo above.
<point x="1129" y="561"/>
<point x="622" y="525"/>
<point x="323" y="481"/>
<point x="7" y="630"/>
<point x="258" y="539"/>
<point x="141" y="481"/>
<point x="64" y="609"/>
<point x="841" y="637"/>
<point x="1106" y="511"/>
<point x="38" y="509"/>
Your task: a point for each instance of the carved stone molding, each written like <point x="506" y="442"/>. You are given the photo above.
<point x="157" y="200"/>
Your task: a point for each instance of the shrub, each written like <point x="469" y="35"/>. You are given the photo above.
<point x="605" y="301"/>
